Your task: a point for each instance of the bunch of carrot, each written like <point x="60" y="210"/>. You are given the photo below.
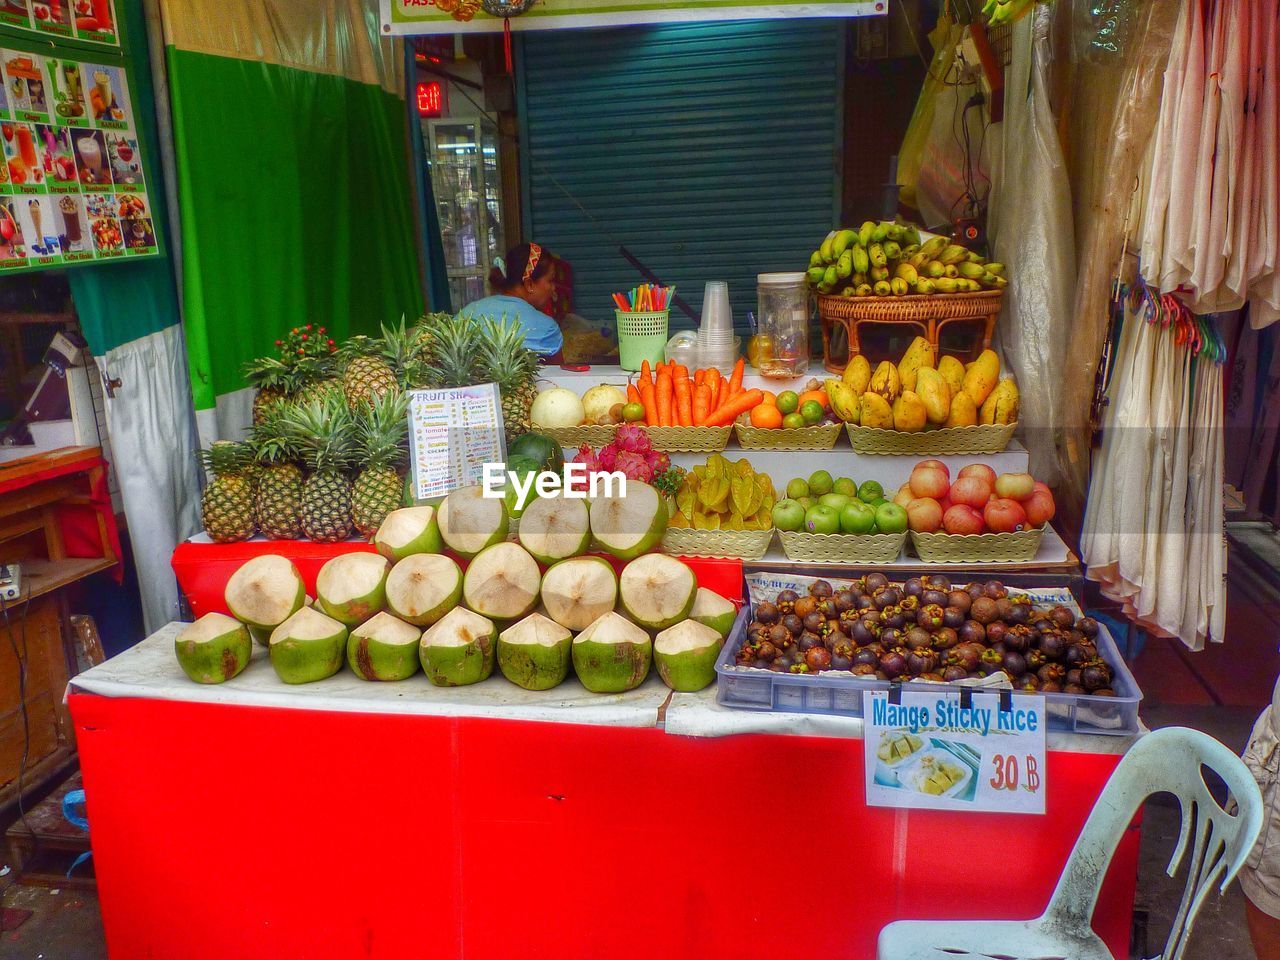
<point x="671" y="398"/>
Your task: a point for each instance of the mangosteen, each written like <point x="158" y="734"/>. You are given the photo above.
<point x="983" y="610"/>
<point x="1017" y="639"/>
<point x="877" y="648"/>
<point x="808" y="641"/>
<point x="1063" y="617"/>
<point x="917" y="638"/>
<point x="865" y="656"/>
<point x="971" y="631"/>
<point x="995" y="590"/>
<point x="1088" y="626"/>
<point x="945" y="639"/>
<point x="1079" y="653"/>
<point x="842" y="649"/>
<point x="1073" y="688"/>
<point x="1051" y="673"/>
<point x="793" y="624"/>
<point x="827" y="607"/>
<point x="897" y="619"/>
<point x="936" y="597"/>
<point x="966" y="656"/>
<point x="1019" y="613"/>
<point x="863" y="670"/>
<point x="1014" y="663"/>
<point x="814" y="622"/>
<point x="1104" y="692"/>
<point x="845" y="600"/>
<point x="1073" y="676"/>
<point x="1035" y="659"/>
<point x="767" y="651"/>
<point x="766" y="612"/>
<point x="1095" y="675"/>
<point x="1053" y="645"/>
<point x="922" y="661"/>
<point x="779" y="635"/>
<point x="893" y="592"/>
<point x="820" y="589"/>
<point x="786" y="600"/>
<point x="894" y="663"/>
<point x="996" y="630"/>
<point x="953" y="673"/>
<point x="991" y="660"/>
<point x="840" y="663"/>
<point x="891" y="636"/>
<point x="1050" y="687"/>
<point x="960" y="600"/>
<point x="860" y="633"/>
<point x="874" y="582"/>
<point x="805" y="606"/>
<point x="1003" y="608"/>
<point x="909" y="603"/>
<point x="819" y="658"/>
<point x="937" y="581"/>
<point x="884" y="599"/>
<point x="1029" y="683"/>
<point x="929" y="616"/>
<point x="952" y="617"/>
<point x="975" y="590"/>
<point x="913" y="587"/>
<point x="786" y="660"/>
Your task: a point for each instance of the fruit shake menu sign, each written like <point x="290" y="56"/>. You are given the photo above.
<point x="955" y="751"/>
<point x="93" y="20"/>
<point x="73" y="185"/>
<point x="453" y="433"/>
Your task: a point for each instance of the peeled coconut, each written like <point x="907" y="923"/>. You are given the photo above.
<point x="459" y="650"/>
<point x="384" y="648"/>
<point x="612" y="655"/>
<point x="578" y="591"/>
<point x="603" y="404"/>
<point x="351" y="587"/>
<point x="470" y="521"/>
<point x="423" y="587"/>
<point x="629" y="526"/>
<point x="309" y="646"/>
<point x="535" y="652"/>
<point x="714" y="610"/>
<point x="554" y="528"/>
<point x="265" y="592"/>
<point x="686" y="655"/>
<point x="557" y="407"/>
<point x="657" y="591"/>
<point x="214" y="648"/>
<point x="407" y="531"/>
<point x="502" y="582"/>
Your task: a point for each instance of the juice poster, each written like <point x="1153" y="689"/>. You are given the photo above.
<point x="93" y="20"/>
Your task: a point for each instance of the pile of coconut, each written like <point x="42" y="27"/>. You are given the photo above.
<point x="531" y="608"/>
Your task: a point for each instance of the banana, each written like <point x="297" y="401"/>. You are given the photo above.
<point x="844" y="402"/>
<point x="907" y="272"/>
<point x="877" y="255"/>
<point x="951" y="271"/>
<point x="898" y="286"/>
<point x="857" y="374"/>
<point x="973" y="257"/>
<point x="861" y="262"/>
<point x="918" y="261"/>
<point x="858" y="279"/>
<point x="996" y="268"/>
<point x="863" y="290"/>
<point x="830" y="276"/>
<point x="894" y="233"/>
<point x="825" y="250"/>
<point x="925" y="286"/>
<point x="875" y="411"/>
<point x="910" y="236"/>
<point x="843" y="241"/>
<point x="824" y="288"/>
<point x="844" y="265"/>
<point x="892" y="250"/>
<point x="847" y="292"/>
<point x="882" y="288"/>
<point x="988" y="279"/>
<point x="816" y="275"/>
<point x="815" y="259"/>
<point x="933" y="246"/>
<point x="886" y="381"/>
<point x="880" y="232"/>
<point x="953" y="254"/>
<point x="864" y="232"/>
<point x="877" y="274"/>
<point x="972" y="286"/>
<point x="910" y="250"/>
<point x="935" y="269"/>
<point x="944" y="285"/>
<point x="1000" y="283"/>
<point x="970" y="270"/>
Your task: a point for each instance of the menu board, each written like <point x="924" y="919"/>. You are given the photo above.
<point x="453" y="433"/>
<point x="73" y="185"/>
<point x="93" y="20"/>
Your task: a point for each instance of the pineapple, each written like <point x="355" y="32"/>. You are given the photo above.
<point x="226" y="507"/>
<point x="455" y="353"/>
<point x="274" y="380"/>
<point x="279" y="486"/>
<point x="325" y="434"/>
<point x="382" y="428"/>
<point x="367" y="376"/>
<point x="506" y="361"/>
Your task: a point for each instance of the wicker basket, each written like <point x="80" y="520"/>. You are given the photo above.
<point x="689" y="439"/>
<point x="977" y="547"/>
<point x="842" y="547"/>
<point x="591" y="434"/>
<point x="979" y="438"/>
<point x="820" y="437"/>
<point x="732" y="544"/>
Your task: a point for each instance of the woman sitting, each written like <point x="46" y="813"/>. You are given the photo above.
<point x="521" y="294"/>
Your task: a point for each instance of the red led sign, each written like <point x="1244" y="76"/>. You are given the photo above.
<point x="430" y="98"/>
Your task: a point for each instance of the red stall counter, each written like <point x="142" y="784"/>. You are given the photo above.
<point x="344" y="818"/>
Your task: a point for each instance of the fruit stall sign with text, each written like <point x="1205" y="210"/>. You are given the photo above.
<point x="414" y="17"/>
<point x="453" y="433"/>
<point x="92" y="20"/>
<point x="947" y="751"/>
<point x="73" y="186"/>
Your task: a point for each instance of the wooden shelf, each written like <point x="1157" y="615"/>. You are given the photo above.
<point x="44" y="576"/>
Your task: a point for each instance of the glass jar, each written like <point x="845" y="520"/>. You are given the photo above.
<point x="781" y="345"/>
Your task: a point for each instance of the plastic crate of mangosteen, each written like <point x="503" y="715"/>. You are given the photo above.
<point x="1042" y="645"/>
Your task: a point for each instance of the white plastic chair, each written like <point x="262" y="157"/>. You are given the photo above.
<point x="1167" y="760"/>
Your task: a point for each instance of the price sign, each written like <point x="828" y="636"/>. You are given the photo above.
<point x="938" y="751"/>
<point x="453" y="433"/>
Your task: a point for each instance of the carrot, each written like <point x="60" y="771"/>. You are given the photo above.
<point x="649" y="399"/>
<point x="660" y="367"/>
<point x="701" y="403"/>
<point x="722" y="395"/>
<point x="735" y="378"/>
<point x="684" y="401"/>
<point x="728" y="412"/>
<point x="679" y="370"/>
<point x="633" y="394"/>
<point x="665" y="394"/>
<point x="645" y="373"/>
<point x="699" y="377"/>
<point x="713" y="381"/>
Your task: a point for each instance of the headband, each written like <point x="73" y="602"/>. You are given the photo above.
<point x="535" y="254"/>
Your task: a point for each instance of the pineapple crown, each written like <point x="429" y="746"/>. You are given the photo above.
<point x="270" y="439"/>
<point x="455" y="353"/>
<point x="268" y="373"/>
<point x="226" y="457"/>
<point x="324" y="432"/>
<point x="382" y="429"/>
<point x="504" y="359"/>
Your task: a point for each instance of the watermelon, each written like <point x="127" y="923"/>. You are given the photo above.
<point x="541" y="449"/>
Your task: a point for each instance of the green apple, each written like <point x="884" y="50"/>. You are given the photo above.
<point x="820" y="483"/>
<point x="891" y="518"/>
<point x="846" y="486"/>
<point x="869" y="491"/>
<point x="788" y="515"/>
<point x="879" y="501"/>
<point x="821" y="519"/>
<point x="836" y="501"/>
<point x="857" y="517"/>
<point x="797" y="488"/>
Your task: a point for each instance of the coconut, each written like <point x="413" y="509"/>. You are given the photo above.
<point x="554" y="528"/>
<point x="686" y="655"/>
<point x="629" y="526"/>
<point x="384" y="648"/>
<point x="556" y="407"/>
<point x="407" y="531"/>
<point x="502" y="582"/>
<point x="214" y="648"/>
<point x="469" y="521"/>
<point x="459" y="649"/>
<point x="612" y="655"/>
<point x="535" y="652"/>
<point x="603" y="404"/>
<point x="657" y="591"/>
<point x="351" y="587"/>
<point x="265" y="592"/>
<point x="423" y="587"/>
<point x="578" y="591"/>
<point x="714" y="610"/>
<point x="308" y="646"/>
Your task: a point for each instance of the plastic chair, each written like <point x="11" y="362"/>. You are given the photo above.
<point x="1167" y="760"/>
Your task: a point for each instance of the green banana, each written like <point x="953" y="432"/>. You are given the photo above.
<point x="892" y="250"/>
<point x="953" y="254"/>
<point x="996" y="268"/>
<point x="907" y="272"/>
<point x="970" y="270"/>
<point x="932" y="247"/>
<point x="842" y="241"/>
<point x="864" y="232"/>
<point x="898" y="287"/>
<point x="863" y="290"/>
<point x="861" y="262"/>
<point x="944" y="285"/>
<point x="882" y="288"/>
<point x="924" y="286"/>
<point x="816" y="274"/>
<point x="878" y="273"/>
<point x="935" y="268"/>
<point x="844" y="265"/>
<point x="877" y="255"/>
<point x="825" y="250"/>
<point x="880" y="232"/>
<point x="815" y="259"/>
<point x="858" y="278"/>
<point x="847" y="292"/>
<point x="911" y="236"/>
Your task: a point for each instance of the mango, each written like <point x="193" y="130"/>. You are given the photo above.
<point x="875" y="411"/>
<point x="964" y="412"/>
<point x="982" y="377"/>
<point x="857" y="374"/>
<point x="887" y="382"/>
<point x="952" y="371"/>
<point x="844" y="401"/>
<point x="935" y="394"/>
<point x="1002" y="405"/>
<point x="918" y="355"/>
<point x="909" y="414"/>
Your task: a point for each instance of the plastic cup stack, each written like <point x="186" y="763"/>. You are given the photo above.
<point x="715" y="337"/>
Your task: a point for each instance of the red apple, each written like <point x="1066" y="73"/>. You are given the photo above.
<point x="979" y="470"/>
<point x="934" y="465"/>
<point x="924" y="515"/>
<point x="963" y="519"/>
<point x="904" y="495"/>
<point x="1004" y="515"/>
<point x="1040" y="508"/>
<point x="945" y="503"/>
<point x="972" y="491"/>
<point x="929" y="481"/>
<point x="1044" y="487"/>
<point x="1015" y="486"/>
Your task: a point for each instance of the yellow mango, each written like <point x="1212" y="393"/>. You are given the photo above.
<point x="857" y="374"/>
<point x="964" y="412"/>
<point x="886" y="381"/>
<point x="909" y="414"/>
<point x="1002" y="405"/>
<point x="844" y="402"/>
<point x="934" y="392"/>
<point x="875" y="411"/>
<point x="919" y="354"/>
<point x="952" y="371"/>
<point x="982" y="377"/>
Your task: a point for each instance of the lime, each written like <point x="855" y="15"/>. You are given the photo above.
<point x="820" y="483"/>
<point x="812" y="411"/>
<point x="788" y="400"/>
<point x="846" y="486"/>
<point x="870" y="490"/>
<point x="793" y="420"/>
<point x="797" y="488"/>
<point x="633" y="412"/>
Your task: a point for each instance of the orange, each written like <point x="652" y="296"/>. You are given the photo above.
<point x="766" y="415"/>
<point x="819" y="395"/>
<point x="770" y="397"/>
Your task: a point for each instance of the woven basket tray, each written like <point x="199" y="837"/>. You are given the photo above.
<point x="820" y="437"/>
<point x="689" y="439"/>
<point x="593" y="435"/>
<point x="936" y="306"/>
<point x="733" y="544"/>
<point x="977" y="547"/>
<point x="980" y="438"/>
<point x="842" y="547"/>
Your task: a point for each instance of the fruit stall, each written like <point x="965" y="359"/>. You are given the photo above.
<point x="667" y="617"/>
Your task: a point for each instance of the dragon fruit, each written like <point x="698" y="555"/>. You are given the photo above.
<point x="633" y="466"/>
<point x="632" y="439"/>
<point x="658" y="461"/>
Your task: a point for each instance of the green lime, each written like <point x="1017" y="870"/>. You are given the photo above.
<point x="793" y="420"/>
<point x="788" y="400"/>
<point x="633" y="412"/>
<point x="812" y="411"/>
<point x="870" y="490"/>
<point x="797" y="488"/>
<point x="846" y="486"/>
<point x="820" y="483"/>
